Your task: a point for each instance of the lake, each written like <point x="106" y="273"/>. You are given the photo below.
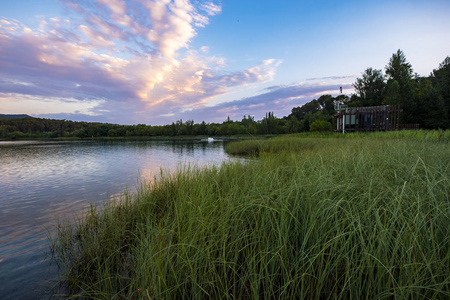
<point x="42" y="182"/>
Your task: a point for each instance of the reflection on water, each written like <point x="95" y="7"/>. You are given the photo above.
<point x="41" y="182"/>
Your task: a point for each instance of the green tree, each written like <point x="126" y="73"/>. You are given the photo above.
<point x="180" y="128"/>
<point x="189" y="127"/>
<point x="327" y="103"/>
<point x="426" y="98"/>
<point x="399" y="72"/>
<point x="269" y="125"/>
<point x="293" y="125"/>
<point x="301" y="111"/>
<point x="393" y="93"/>
<point x="371" y="87"/>
<point x="306" y="122"/>
<point x="321" y="126"/>
<point x="399" y="68"/>
<point x="203" y="129"/>
<point x="441" y="79"/>
<point x="247" y="121"/>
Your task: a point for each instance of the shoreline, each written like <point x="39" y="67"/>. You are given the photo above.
<point x="150" y="138"/>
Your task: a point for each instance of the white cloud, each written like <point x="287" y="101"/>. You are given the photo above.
<point x="211" y="8"/>
<point x="130" y="66"/>
<point x="36" y="105"/>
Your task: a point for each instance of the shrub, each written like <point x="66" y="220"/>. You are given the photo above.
<point x="321" y="126"/>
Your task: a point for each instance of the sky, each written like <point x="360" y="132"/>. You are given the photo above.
<point x="158" y="61"/>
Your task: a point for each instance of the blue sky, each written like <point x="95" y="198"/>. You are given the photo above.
<point x="155" y="62"/>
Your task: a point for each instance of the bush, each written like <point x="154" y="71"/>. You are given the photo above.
<point x="321" y="126"/>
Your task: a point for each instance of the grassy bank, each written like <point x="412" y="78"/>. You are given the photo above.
<point x="344" y="218"/>
<point x="296" y="142"/>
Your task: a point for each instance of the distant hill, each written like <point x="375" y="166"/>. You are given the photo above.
<point x="14" y="116"/>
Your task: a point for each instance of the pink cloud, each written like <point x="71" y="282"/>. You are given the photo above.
<point x="133" y="65"/>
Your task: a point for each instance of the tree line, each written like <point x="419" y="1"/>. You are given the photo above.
<point x="424" y="100"/>
<point x="20" y="128"/>
<point x="48" y="128"/>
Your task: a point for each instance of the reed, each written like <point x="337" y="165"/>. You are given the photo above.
<point x="296" y="142"/>
<point x="311" y="218"/>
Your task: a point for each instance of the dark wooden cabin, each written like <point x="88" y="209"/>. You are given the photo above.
<point x="369" y="118"/>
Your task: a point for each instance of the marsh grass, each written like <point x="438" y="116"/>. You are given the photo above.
<point x="312" y="218"/>
<point x="296" y="142"/>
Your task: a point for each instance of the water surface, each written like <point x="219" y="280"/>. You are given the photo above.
<point x="41" y="182"/>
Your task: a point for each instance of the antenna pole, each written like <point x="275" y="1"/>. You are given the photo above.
<point x="343" y="115"/>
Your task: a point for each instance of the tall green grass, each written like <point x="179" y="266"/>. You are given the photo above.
<point x="322" y="218"/>
<point x="295" y="142"/>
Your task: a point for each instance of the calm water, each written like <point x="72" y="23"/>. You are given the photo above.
<point x="41" y="182"/>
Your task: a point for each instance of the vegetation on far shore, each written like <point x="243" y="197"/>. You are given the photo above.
<point x="314" y="217"/>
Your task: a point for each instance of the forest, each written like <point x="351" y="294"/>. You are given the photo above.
<point x="424" y="100"/>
